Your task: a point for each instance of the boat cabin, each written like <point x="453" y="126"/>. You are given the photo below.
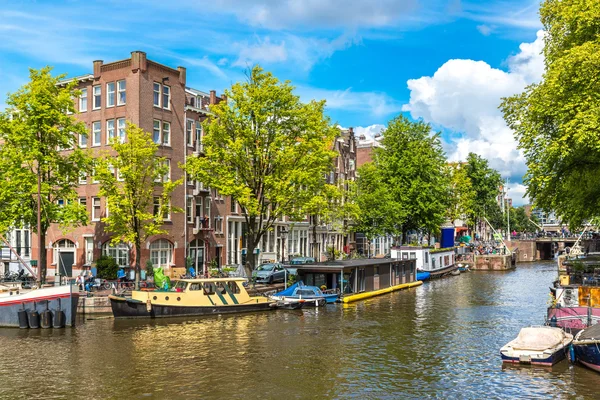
<point x="426" y="258"/>
<point x="356" y="276"/>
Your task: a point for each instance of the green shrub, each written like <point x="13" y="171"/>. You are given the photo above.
<point x="149" y="269"/>
<point x="107" y="267"/>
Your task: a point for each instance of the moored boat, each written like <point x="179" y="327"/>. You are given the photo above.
<point x="191" y="297"/>
<point x="586" y="347"/>
<point x="455" y="272"/>
<point x="60" y="301"/>
<point x="422" y="275"/>
<point x="312" y="295"/>
<point x="537" y="345"/>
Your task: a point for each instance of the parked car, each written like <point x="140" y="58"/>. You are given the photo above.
<point x="270" y="273"/>
<point x="302" y="260"/>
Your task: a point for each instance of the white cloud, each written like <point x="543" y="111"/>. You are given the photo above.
<point x="463" y="97"/>
<point x="374" y="103"/>
<point x="262" y="51"/>
<point x="368" y="131"/>
<point x="516" y="192"/>
<point x="485" y="30"/>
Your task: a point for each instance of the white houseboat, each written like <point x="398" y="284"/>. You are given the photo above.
<point x="437" y="262"/>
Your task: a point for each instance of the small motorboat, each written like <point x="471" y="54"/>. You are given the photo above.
<point x="312" y="295"/>
<point x="290" y="304"/>
<point x="586" y="347"/>
<point x="423" y="275"/>
<point x="537" y="345"/>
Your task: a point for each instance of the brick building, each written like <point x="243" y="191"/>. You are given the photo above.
<point x="211" y="229"/>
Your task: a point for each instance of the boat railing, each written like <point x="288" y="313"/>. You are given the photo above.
<point x="330" y="291"/>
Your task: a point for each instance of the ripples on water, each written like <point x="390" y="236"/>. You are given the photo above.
<point x="440" y="340"/>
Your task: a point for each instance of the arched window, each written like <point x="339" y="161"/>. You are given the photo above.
<point x="120" y="252"/>
<point x="196" y="254"/>
<point x="161" y="253"/>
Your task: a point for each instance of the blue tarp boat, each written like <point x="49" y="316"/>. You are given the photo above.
<point x="585" y="346"/>
<point x="423" y="275"/>
<point x="312" y="293"/>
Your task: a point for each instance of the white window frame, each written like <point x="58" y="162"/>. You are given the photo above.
<point x="94" y="95"/>
<point x="155" y="92"/>
<point x="94" y="216"/>
<point x="83" y="139"/>
<point x="198" y="136"/>
<point x="110" y="94"/>
<point x="121" y="90"/>
<point x="157" y="131"/>
<point x="166" y="97"/>
<point x="167" y="176"/>
<point x="189" y="132"/>
<point x="189" y="207"/>
<point x="166" y="128"/>
<point x="121" y="126"/>
<point x="88" y="249"/>
<point x="110" y="131"/>
<point x="97" y="124"/>
<point x="83" y="100"/>
<point x="83" y="178"/>
<point x="207" y="206"/>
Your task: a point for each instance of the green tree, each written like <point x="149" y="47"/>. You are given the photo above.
<point x="412" y="163"/>
<point x="462" y="193"/>
<point x="520" y="222"/>
<point x="378" y="209"/>
<point x="267" y="150"/>
<point x="486" y="183"/>
<point x="130" y="179"/>
<point x="556" y="121"/>
<point x="40" y="162"/>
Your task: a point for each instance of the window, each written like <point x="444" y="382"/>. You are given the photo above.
<point x="166" y="98"/>
<point x="426" y="258"/>
<point x="166" y="133"/>
<point x="218" y="224"/>
<point x="96" y="133"/>
<point x="97" y="97"/>
<point x="83" y="201"/>
<point x="198" y="136"/>
<point x="189" y="209"/>
<point x="404" y="255"/>
<point x="121" y="93"/>
<point x="189" y="131"/>
<point x="156" y="94"/>
<point x="207" y="203"/>
<point x="83" y="100"/>
<point x="156" y="131"/>
<point x="110" y="94"/>
<point x="161" y="253"/>
<point x="82" y="179"/>
<point x="121" y="127"/>
<point x="82" y="141"/>
<point x="233" y="206"/>
<point x="413" y="255"/>
<point x="119" y="252"/>
<point x="95" y="208"/>
<point x="89" y="250"/>
<point x="167" y="176"/>
<point x="157" y="206"/>
<point x="110" y="130"/>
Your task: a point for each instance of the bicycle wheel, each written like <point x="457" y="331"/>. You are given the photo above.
<point x="106" y="285"/>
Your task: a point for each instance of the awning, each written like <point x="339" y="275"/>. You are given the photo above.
<point x="461" y="229"/>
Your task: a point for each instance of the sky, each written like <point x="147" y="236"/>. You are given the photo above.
<point x="446" y="62"/>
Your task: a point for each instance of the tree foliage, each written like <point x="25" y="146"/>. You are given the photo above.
<point x="39" y="139"/>
<point x="485" y="182"/>
<point x="520" y="222"/>
<point x="267" y="150"/>
<point x="130" y="178"/>
<point x="462" y="193"/>
<point x="557" y="121"/>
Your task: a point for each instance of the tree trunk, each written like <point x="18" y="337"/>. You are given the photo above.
<point x="43" y="262"/>
<point x="250" y="256"/>
<point x="138" y="254"/>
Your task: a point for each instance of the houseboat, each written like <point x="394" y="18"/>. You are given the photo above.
<point x="437" y="262"/>
<point x="576" y="295"/>
<point x="362" y="278"/>
<point x="190" y="297"/>
<point x="24" y="308"/>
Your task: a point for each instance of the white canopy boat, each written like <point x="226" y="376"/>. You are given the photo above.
<point x="537" y="345"/>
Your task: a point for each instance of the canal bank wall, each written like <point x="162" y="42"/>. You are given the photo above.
<point x="494" y="262"/>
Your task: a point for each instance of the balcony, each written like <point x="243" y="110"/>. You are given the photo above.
<point x="199" y="188"/>
<point x="202" y="225"/>
<point x="198" y="149"/>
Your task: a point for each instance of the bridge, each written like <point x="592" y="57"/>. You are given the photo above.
<point x="544" y="248"/>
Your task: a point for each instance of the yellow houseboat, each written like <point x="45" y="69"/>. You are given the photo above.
<point x="190" y="297"/>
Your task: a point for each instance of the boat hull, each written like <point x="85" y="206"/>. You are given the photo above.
<point x="423" y="276"/>
<point x="588" y="354"/>
<point x="128" y="308"/>
<point x="61" y="298"/>
<point x="545" y="361"/>
<point x="574" y="319"/>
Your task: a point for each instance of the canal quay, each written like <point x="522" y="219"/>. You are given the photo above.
<point x="439" y="340"/>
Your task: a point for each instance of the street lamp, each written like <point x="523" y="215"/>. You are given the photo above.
<point x="283" y="232"/>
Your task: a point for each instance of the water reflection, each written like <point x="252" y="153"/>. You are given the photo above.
<point x="440" y="340"/>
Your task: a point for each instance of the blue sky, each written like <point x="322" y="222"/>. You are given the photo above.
<point x="447" y="62"/>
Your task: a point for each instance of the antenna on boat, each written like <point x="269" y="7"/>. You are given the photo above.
<point x="576" y="249"/>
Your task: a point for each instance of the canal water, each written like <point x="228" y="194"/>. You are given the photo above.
<point x="440" y="340"/>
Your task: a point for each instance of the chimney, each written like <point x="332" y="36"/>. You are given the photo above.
<point x="224" y="97"/>
<point x="97" y="68"/>
<point x="213" y="97"/>
<point x="138" y="61"/>
<point x="181" y="75"/>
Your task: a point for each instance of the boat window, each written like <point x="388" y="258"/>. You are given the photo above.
<point x="221" y="287"/>
<point x="180" y="285"/>
<point x="305" y="292"/>
<point x="196" y="286"/>
<point x="209" y="288"/>
<point x="235" y="289"/>
<point x="413" y="255"/>
<point x="404" y="255"/>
